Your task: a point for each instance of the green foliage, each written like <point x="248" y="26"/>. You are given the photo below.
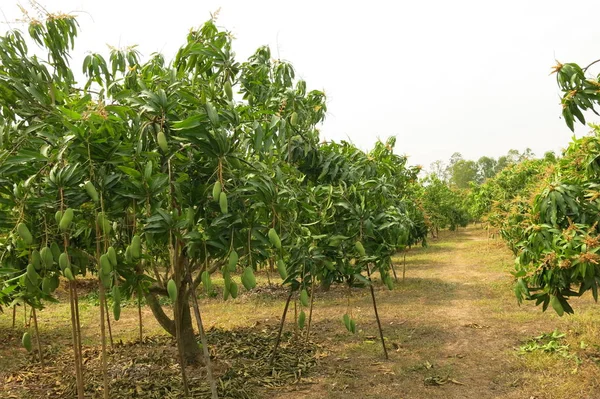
<point x="504" y="199"/>
<point x="557" y="253"/>
<point x="580" y="93"/>
<point x="462" y="172"/>
<point x="556" y="236"/>
<point x="546" y="343"/>
<point x="443" y="205"/>
<point x="122" y="173"/>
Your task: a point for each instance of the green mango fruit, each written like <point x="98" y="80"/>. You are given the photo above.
<point x="172" y="290"/>
<point x="248" y="279"/>
<point x="233" y="260"/>
<point x="47" y="257"/>
<point x="223" y="202"/>
<point x="274" y="238"/>
<point x="281" y="269"/>
<point x="228" y="90"/>
<point x="36" y="259"/>
<point x="136" y="247"/>
<point x="65" y="221"/>
<point x="116" y="294"/>
<point x="24" y="233"/>
<point x="161" y="138"/>
<point x="26" y="341"/>
<point x="233" y="289"/>
<point x="216" y="191"/>
<point x="213" y="116"/>
<point x="304" y="298"/>
<point x="91" y="191"/>
<point x="57" y="216"/>
<point x="294" y="119"/>
<point x="116" y="310"/>
<point x="301" y="319"/>
<point x="112" y="256"/>
<point x="63" y="261"/>
<point x="68" y="274"/>
<point x="55" y="251"/>
<point x="360" y="248"/>
<point x="105" y="265"/>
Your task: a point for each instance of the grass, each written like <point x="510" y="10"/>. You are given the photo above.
<point x="454" y="318"/>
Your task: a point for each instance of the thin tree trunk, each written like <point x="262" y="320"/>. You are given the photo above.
<point x="394" y="270"/>
<point x="108" y="323"/>
<point x="312" y="297"/>
<point x="102" y="294"/>
<point x="287" y="304"/>
<point x="139" y="301"/>
<point x="14" y="315"/>
<point x="269" y="270"/>
<point x="404" y="267"/>
<point x="377" y="314"/>
<point x="296" y="317"/>
<point x="177" y="317"/>
<point x="24" y="315"/>
<point x="78" y="374"/>
<point x="78" y="325"/>
<point x="178" y="309"/>
<point x="37" y="336"/>
<point x="209" y="371"/>
<point x="103" y="339"/>
<point x="76" y="297"/>
<point x="74" y="319"/>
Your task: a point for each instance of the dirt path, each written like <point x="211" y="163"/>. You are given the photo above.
<point x="453" y="329"/>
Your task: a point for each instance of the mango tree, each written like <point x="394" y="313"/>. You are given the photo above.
<point x="152" y="176"/>
<point x="443" y="205"/>
<point x="558" y="253"/>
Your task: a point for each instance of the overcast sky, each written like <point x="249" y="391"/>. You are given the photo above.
<point x="466" y="76"/>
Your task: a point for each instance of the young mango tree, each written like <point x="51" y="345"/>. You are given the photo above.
<point x="558" y="253"/>
<point x="443" y="205"/>
<point x="149" y="175"/>
<point x="152" y="176"/>
<point x="356" y="219"/>
<point x="503" y="201"/>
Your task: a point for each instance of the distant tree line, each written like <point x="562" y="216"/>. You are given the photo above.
<point x="462" y="173"/>
<point x="460" y="191"/>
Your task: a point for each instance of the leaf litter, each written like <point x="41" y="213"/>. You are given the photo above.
<point x="150" y="370"/>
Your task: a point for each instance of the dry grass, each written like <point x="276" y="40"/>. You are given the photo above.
<point x="453" y="320"/>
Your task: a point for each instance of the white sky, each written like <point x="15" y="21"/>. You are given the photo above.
<point x="468" y="76"/>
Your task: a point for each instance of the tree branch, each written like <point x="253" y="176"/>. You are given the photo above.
<point x="157" y="310"/>
<point x="586" y="68"/>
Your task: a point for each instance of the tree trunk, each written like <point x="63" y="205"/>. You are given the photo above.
<point x="191" y="348"/>
<point x="394" y="270"/>
<point x="37" y="337"/>
<point x="282" y="322"/>
<point x="377" y="314"/>
<point x="139" y="303"/>
<point x="188" y="339"/>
